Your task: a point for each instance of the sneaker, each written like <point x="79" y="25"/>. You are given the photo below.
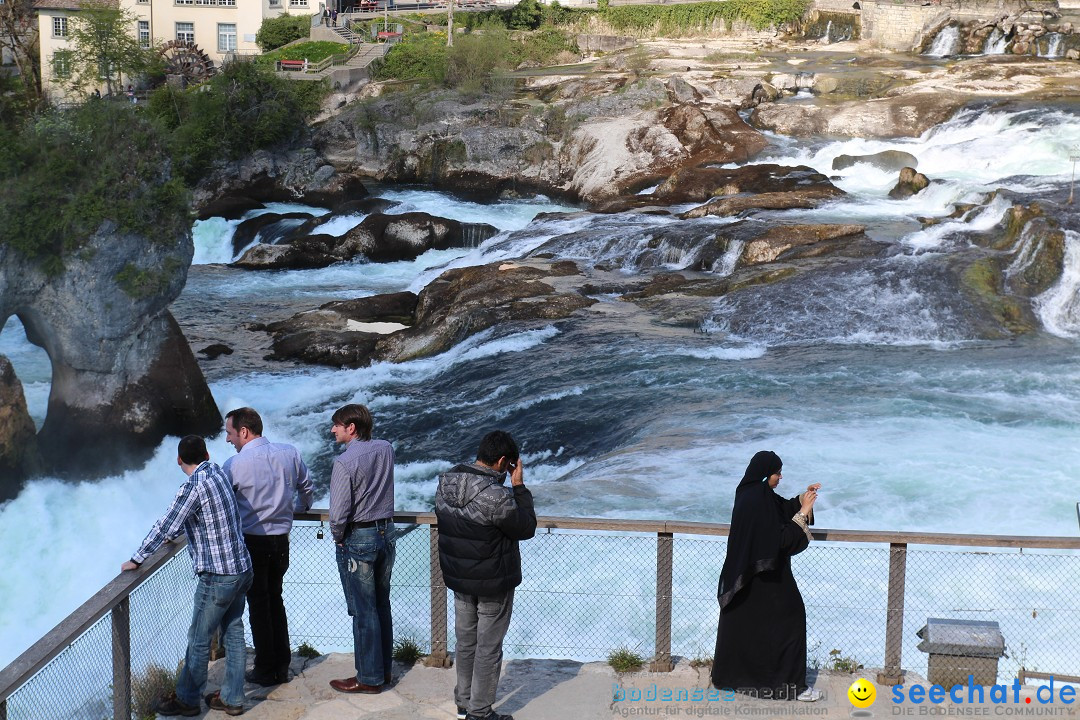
<point x="492" y="715"/>
<point x="172" y="706"/>
<point x="809" y="695"/>
<point x="461" y="713"/>
<point x="214" y="702"/>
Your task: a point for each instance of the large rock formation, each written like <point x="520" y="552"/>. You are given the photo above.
<point x="19" y="457"/>
<point x="123" y="374"/>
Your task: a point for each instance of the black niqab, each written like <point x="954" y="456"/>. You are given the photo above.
<point x="756" y="519"/>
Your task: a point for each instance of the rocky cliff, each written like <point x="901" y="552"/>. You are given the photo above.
<point x="123" y="375"/>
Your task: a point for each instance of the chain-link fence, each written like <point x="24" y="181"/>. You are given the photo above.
<point x="588" y="592"/>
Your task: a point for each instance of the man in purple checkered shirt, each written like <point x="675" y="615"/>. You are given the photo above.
<point x="205" y="510"/>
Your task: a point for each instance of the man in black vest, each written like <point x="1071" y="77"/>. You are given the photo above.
<point x="480" y="523"/>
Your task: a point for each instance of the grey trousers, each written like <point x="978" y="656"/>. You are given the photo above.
<point x="480" y="624"/>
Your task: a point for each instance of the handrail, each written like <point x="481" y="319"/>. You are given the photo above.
<point x="678" y="527"/>
<point x="70" y="628"/>
<point x="113" y="596"/>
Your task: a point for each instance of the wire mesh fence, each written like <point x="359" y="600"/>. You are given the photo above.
<point x="588" y="592"/>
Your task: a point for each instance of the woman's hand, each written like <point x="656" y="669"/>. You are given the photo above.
<point x="809" y="498"/>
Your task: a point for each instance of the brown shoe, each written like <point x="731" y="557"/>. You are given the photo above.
<point x="352" y="685"/>
<point x="214" y="702"/>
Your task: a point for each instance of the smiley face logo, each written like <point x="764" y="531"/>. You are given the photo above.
<point x="861" y="693"/>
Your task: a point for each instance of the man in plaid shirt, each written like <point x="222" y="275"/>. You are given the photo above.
<point x="205" y="510"/>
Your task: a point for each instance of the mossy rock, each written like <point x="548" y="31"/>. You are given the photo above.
<point x="1005" y="315"/>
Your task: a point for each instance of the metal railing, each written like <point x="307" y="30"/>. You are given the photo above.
<point x="590" y="585"/>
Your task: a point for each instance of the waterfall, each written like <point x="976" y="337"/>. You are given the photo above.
<point x="827" y="37"/>
<point x="1059" y="307"/>
<point x="996" y="44"/>
<point x="947" y="42"/>
<point x="1053" y="50"/>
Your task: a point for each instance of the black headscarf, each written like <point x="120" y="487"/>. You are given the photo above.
<point x="754" y="538"/>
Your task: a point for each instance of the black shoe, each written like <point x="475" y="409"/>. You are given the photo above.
<point x="214" y="702"/>
<point x="282" y="675"/>
<point x="461" y="713"/>
<point x="263" y="678"/>
<point x="492" y="715"/>
<point x="172" y="706"/>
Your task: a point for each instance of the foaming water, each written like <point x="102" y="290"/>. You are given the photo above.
<point x="1059" y="307"/>
<point x="213" y="236"/>
<point x="946" y="42"/>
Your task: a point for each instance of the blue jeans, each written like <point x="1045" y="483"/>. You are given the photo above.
<point x="219" y="603"/>
<point x="365" y="562"/>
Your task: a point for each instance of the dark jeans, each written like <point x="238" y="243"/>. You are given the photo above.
<point x="365" y="563"/>
<point x="219" y="605"/>
<point x="266" y="609"/>
<point x="480" y="624"/>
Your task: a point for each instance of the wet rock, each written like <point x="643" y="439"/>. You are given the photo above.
<point x="910" y="183"/>
<point x="683" y="92"/>
<point x="212" y="352"/>
<point x="19" y="456"/>
<point x="230" y="207"/>
<point x="908" y="115"/>
<point x="123" y="375"/>
<point x="764" y="92"/>
<point x="379" y="238"/>
<point x="886" y="160"/>
<point x="464" y="301"/>
<point x="798" y="199"/>
<point x="273" y="227"/>
<point x="342" y="333"/>
<point x="777" y="241"/>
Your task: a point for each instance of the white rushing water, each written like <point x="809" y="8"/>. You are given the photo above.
<point x="996" y="43"/>
<point x="946" y="42"/>
<point x="866" y="382"/>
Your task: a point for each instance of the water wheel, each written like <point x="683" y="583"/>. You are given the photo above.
<point x="184" y="59"/>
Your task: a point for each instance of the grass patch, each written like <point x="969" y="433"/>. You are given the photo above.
<point x="307" y="651"/>
<point x="313" y="52"/>
<point x="623" y="659"/>
<point x="407" y="650"/>
<point x="838" y="661"/>
<point x="150" y="687"/>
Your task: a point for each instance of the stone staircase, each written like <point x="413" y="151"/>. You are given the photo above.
<point x="346" y="34"/>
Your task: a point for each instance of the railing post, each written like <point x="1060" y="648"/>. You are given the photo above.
<point x="3" y="709"/>
<point x="894" y="619"/>
<point x="438" y="656"/>
<point x="664" y="559"/>
<point x="121" y="658"/>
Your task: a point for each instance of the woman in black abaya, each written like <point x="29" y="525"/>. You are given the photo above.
<point x="761" y="641"/>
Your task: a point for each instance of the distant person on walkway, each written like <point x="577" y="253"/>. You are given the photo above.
<point x="362" y="522"/>
<point x="205" y="510"/>
<point x="271" y="482"/>
<point x="131" y="94"/>
<point x="333" y="18"/>
<point x="481" y="521"/>
<point x="761" y="640"/>
<point x="326" y="15"/>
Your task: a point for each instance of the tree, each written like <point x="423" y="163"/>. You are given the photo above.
<point x="104" y="47"/>
<point x="526" y="15"/>
<point x="282" y="30"/>
<point x="19" y="35"/>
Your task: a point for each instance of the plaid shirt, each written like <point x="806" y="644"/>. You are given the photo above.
<point x="205" y="509"/>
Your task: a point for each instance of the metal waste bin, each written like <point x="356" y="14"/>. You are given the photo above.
<point x="959" y="648"/>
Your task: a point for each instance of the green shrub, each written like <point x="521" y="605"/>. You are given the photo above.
<point x="282" y="30"/>
<point x="544" y="46"/>
<point x="418" y="57"/>
<point x="526" y="15"/>
<point x="477" y="57"/>
<point x="837" y="661"/>
<point x="68" y="171"/>
<point x="623" y="659"/>
<point x="242" y="109"/>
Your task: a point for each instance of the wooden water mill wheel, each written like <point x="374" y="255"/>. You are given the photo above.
<point x="186" y="60"/>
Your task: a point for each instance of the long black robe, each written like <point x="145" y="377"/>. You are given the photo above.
<point x="761" y="639"/>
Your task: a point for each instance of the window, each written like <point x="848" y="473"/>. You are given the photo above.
<point x="185" y="32"/>
<point x="275" y="3"/>
<point x="61" y="63"/>
<point x="144" y="33"/>
<point x="297" y="3"/>
<point x="226" y="37"/>
<point x="59" y="27"/>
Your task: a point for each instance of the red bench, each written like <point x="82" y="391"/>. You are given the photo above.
<point x="386" y="35"/>
<point x="297" y="65"/>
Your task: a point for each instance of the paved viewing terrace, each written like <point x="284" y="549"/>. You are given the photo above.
<point x="568" y="690"/>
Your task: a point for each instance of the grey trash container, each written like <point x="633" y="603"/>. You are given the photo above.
<point x="959" y="648"/>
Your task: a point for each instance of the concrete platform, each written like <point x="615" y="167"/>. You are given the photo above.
<point x="569" y="690"/>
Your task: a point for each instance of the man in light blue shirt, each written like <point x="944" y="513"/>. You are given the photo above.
<point x="271" y="482"/>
